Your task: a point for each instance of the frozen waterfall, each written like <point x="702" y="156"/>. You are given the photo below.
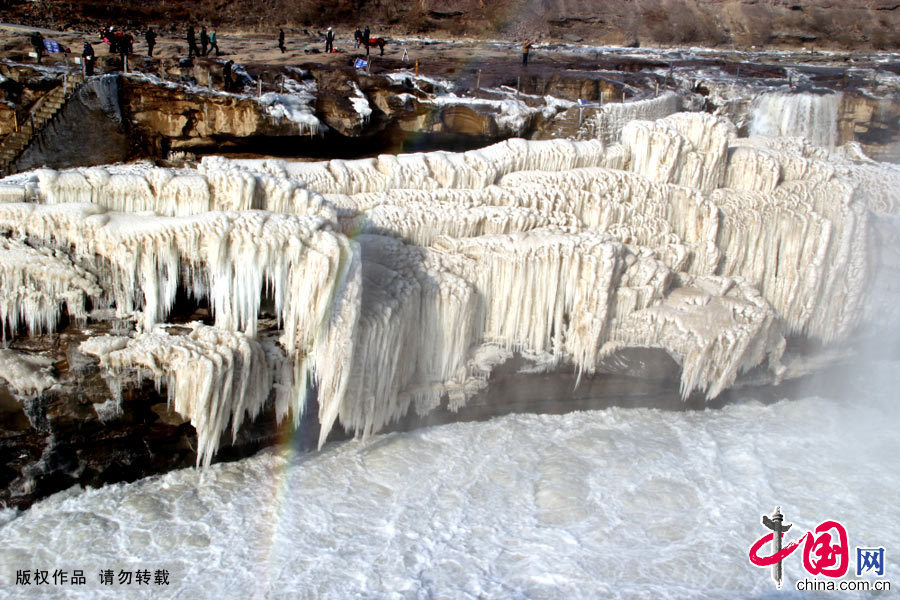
<point x="386" y="281"/>
<point x="807" y="115"/>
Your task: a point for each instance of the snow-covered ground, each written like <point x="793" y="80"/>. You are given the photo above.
<point x="617" y="503"/>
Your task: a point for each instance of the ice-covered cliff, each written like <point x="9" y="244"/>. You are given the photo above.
<point x="399" y="282"/>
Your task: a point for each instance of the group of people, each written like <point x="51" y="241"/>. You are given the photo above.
<point x="362" y="38"/>
<point x="207" y="42"/>
<point x="122" y="43"/>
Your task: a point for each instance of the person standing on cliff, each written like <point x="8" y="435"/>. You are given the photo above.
<point x="37" y="41"/>
<point x="192" y="42"/>
<point x="281" y="40"/>
<point x="329" y="41"/>
<point x="226" y="73"/>
<point x="204" y="41"/>
<point x="526" y="47"/>
<point x="214" y="43"/>
<point x="150" y="36"/>
<point x="87" y="58"/>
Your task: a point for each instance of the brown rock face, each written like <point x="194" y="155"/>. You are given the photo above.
<point x="87" y="131"/>
<point x="850" y="24"/>
<point x="873" y="123"/>
<point x="172" y="118"/>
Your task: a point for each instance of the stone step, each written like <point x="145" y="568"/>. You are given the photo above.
<point x="16" y="141"/>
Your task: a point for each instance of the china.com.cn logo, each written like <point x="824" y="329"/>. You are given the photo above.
<point x="826" y="552"/>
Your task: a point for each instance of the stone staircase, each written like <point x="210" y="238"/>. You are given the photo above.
<point x="44" y="110"/>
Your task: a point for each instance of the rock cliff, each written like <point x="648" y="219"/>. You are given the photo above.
<point x="851" y="24"/>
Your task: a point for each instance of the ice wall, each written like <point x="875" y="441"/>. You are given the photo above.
<point x="418" y="324"/>
<point x="398" y="281"/>
<point x="807" y="115"/>
<point x="611" y="118"/>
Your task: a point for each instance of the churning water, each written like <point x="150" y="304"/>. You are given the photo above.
<point x="621" y="503"/>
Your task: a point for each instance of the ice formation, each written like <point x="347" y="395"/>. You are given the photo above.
<point x="812" y="116"/>
<point x="232" y="259"/>
<point x="704" y="319"/>
<point x="176" y="192"/>
<point x="35" y="282"/>
<point x="213" y="376"/>
<point x="296" y="105"/>
<point x="608" y="122"/>
<point x="360" y="103"/>
<point x="397" y="281"/>
<point x="27" y="374"/>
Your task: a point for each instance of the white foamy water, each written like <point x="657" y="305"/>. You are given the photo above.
<point x="812" y="117"/>
<point x="619" y="503"/>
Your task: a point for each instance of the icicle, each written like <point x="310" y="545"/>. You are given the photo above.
<point x="234" y="255"/>
<point x="35" y="283"/>
<point x="214" y="377"/>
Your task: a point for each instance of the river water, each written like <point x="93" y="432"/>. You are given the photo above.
<point x="617" y="503"/>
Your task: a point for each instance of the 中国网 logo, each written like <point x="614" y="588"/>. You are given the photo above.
<point x="826" y="553"/>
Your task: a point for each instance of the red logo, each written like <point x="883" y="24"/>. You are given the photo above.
<point x="826" y="550"/>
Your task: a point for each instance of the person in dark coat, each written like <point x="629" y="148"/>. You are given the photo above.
<point x="87" y="57"/>
<point x="357" y="35"/>
<point x="204" y="41"/>
<point x="37" y="41"/>
<point x="123" y="45"/>
<point x="281" y="40"/>
<point x="226" y="72"/>
<point x="192" y="42"/>
<point x="150" y="36"/>
<point x="329" y="41"/>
